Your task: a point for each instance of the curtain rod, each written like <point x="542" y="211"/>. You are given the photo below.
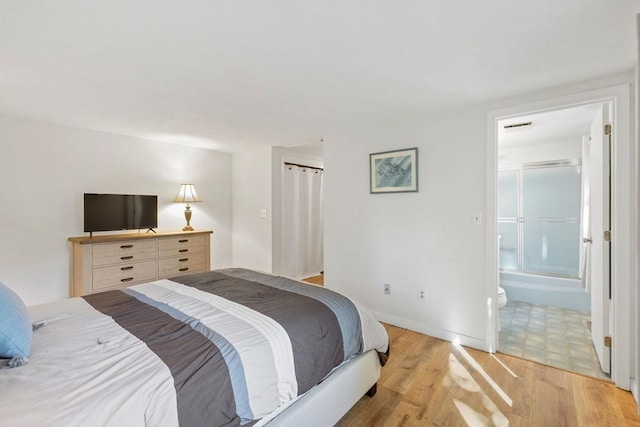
<point x="303" y="166"/>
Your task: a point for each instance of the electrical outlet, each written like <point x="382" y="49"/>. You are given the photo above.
<point x="387" y="289"/>
<point x="263" y="213"/>
<point x="421" y="295"/>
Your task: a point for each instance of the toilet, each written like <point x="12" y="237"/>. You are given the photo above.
<point x="502" y="298"/>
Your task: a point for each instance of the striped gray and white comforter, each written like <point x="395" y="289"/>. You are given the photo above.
<point x="219" y="348"/>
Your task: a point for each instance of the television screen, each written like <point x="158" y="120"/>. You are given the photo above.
<point x="106" y="212"/>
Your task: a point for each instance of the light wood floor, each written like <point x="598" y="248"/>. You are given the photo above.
<point x="317" y="280"/>
<point x="429" y="382"/>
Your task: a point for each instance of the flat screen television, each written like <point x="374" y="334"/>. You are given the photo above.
<point x="108" y="212"/>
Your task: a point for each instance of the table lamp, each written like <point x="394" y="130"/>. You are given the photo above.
<point x="187" y="195"/>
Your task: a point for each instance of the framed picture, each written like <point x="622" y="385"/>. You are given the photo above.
<point x="394" y="171"/>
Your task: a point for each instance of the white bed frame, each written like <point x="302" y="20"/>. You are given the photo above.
<point x="327" y="402"/>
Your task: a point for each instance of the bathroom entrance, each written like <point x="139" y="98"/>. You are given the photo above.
<point x="553" y="209"/>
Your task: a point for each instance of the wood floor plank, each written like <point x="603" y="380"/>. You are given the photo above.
<point x="429" y="382"/>
<point x="552" y="392"/>
<point x="519" y="389"/>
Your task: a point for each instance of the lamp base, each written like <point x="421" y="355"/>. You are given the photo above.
<point x="187" y="216"/>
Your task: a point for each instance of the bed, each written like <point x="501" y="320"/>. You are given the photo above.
<point x="222" y="348"/>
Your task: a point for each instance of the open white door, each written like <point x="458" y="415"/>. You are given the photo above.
<point x="600" y="261"/>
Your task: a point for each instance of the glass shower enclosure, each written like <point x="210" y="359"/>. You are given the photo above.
<point x="539" y="211"/>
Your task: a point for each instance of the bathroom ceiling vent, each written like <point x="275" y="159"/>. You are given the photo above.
<point x="514" y="126"/>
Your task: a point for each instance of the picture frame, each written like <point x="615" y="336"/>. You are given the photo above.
<point x="394" y="171"/>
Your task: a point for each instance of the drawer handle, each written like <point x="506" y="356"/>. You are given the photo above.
<point x="183" y="241"/>
<point x="127" y="268"/>
<point x="183" y="269"/>
<point x="183" y="250"/>
<point x="183" y="259"/>
<point x="126" y="246"/>
<point x="126" y="257"/>
<point x="128" y="279"/>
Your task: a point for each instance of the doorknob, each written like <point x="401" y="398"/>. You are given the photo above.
<point x="587" y="240"/>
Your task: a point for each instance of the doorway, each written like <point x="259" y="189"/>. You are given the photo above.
<point x="298" y="234"/>
<point x="622" y="211"/>
<point x="302" y="225"/>
<point x="546" y="197"/>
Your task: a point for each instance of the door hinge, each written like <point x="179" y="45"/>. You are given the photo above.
<point x="607" y="342"/>
<point x="607" y="235"/>
<point x="607" y="129"/>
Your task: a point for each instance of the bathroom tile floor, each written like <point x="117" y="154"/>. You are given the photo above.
<point x="551" y="335"/>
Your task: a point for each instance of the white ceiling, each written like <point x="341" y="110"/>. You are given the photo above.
<point x="231" y="75"/>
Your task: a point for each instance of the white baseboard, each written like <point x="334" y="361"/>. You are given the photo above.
<point x="635" y="390"/>
<point x="422" y="328"/>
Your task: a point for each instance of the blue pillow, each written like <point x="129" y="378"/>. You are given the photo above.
<point x="16" y="331"/>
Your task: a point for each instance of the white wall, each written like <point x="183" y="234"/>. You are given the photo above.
<point x="425" y="239"/>
<point x="44" y="171"/>
<point x="412" y="240"/>
<point x="252" y="193"/>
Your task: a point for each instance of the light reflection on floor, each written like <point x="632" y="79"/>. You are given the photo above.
<point x="475" y="406"/>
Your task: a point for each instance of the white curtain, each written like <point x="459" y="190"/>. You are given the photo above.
<point x="302" y="244"/>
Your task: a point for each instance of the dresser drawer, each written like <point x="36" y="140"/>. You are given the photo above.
<point x="124" y="274"/>
<point x="112" y="253"/>
<point x="176" y="266"/>
<point x="176" y="246"/>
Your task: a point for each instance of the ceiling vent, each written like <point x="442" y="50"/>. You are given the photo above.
<point x="522" y="125"/>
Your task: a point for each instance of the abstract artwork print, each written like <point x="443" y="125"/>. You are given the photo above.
<point x="394" y="171"/>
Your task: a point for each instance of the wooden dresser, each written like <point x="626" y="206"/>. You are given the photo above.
<point x="103" y="263"/>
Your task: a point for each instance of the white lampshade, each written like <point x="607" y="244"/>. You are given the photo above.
<point x="187" y="194"/>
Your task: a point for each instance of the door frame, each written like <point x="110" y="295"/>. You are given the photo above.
<point x="623" y="205"/>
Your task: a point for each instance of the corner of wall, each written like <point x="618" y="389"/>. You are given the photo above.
<point x="251" y="190"/>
